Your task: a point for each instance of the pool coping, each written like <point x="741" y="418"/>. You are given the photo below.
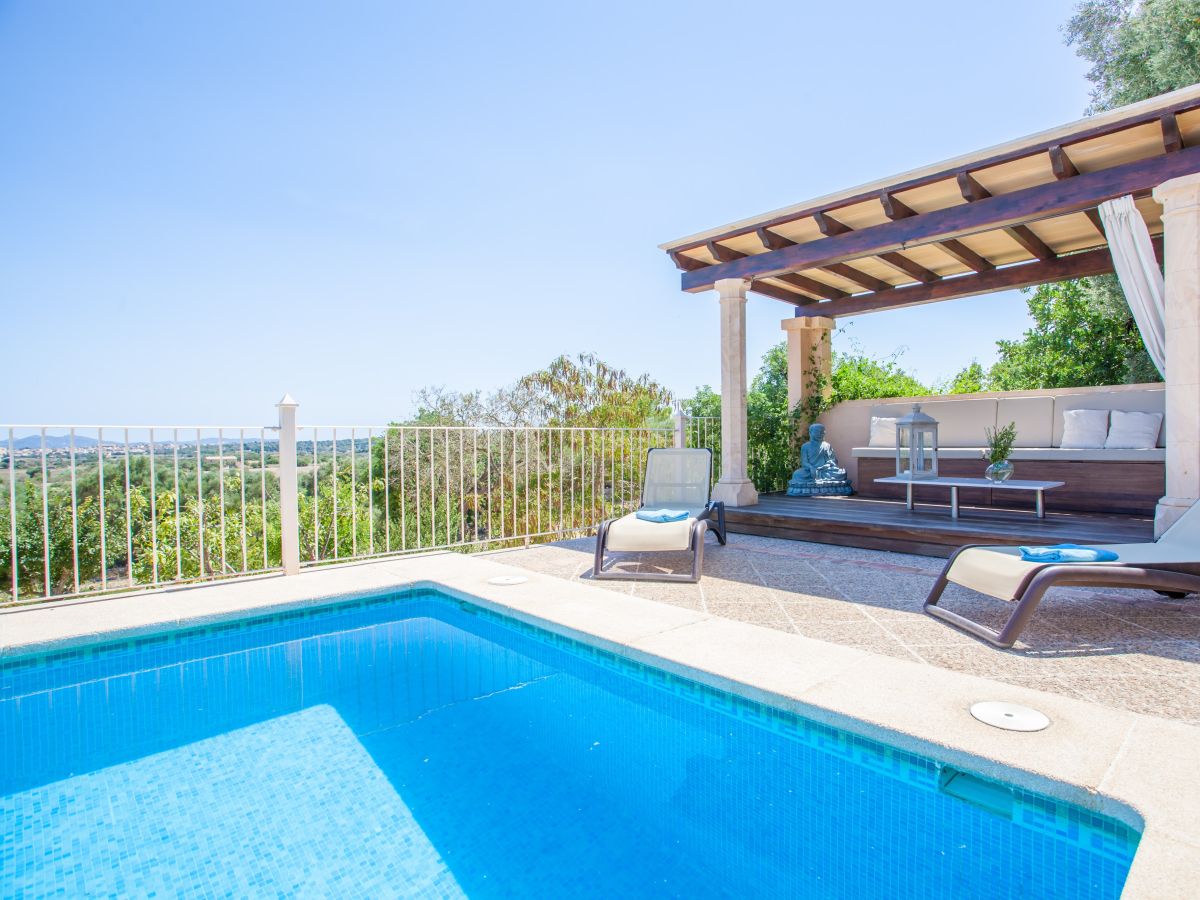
<point x="1139" y="769"/>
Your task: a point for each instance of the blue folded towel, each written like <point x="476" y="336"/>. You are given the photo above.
<point x="662" y="515"/>
<point x="1067" y="553"/>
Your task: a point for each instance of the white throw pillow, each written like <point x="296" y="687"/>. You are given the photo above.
<point x="883" y="432"/>
<point x="1085" y="429"/>
<point x="1133" y="430"/>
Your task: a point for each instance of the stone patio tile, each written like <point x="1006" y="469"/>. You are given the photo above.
<point x="918" y="629"/>
<point x="853" y="634"/>
<point x="822" y="611"/>
<point x="979" y="659"/>
<point x="1176" y="627"/>
<point x="688" y="596"/>
<point x="756" y="612"/>
<point x="1165" y="697"/>
<point x="1166" y="658"/>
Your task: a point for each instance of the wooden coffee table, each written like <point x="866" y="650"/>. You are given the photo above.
<point x="1039" y="487"/>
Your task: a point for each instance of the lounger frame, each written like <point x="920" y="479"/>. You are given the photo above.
<point x="714" y="511"/>
<point x="1034" y="585"/>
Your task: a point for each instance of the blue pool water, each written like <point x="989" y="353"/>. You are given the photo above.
<point x="415" y="745"/>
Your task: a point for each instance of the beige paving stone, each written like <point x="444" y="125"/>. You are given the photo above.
<point x="1164" y="868"/>
<point x="1166" y="658"/>
<point x="1138" y="771"/>
<point x="882" y="691"/>
<point x="754" y="612"/>
<point x="1169" y="697"/>
<point x="1062" y="685"/>
<point x="860" y="634"/>
<point x="920" y="630"/>
<point x="817" y="610"/>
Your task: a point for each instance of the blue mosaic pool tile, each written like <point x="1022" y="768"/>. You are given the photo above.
<point x="292" y="806"/>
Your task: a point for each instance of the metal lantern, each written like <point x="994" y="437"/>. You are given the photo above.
<point x="916" y="445"/>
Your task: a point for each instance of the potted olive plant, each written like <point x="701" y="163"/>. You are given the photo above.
<point x="999" y="446"/>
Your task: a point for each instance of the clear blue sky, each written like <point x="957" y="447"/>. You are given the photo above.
<point x="207" y="204"/>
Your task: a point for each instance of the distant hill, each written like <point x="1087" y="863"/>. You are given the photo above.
<point x="53" y="442"/>
<point x="114" y="439"/>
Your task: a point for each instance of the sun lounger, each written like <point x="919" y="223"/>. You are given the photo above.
<point x="1170" y="565"/>
<point x="675" y="480"/>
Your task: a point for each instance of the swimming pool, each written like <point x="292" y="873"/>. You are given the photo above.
<point x="418" y="745"/>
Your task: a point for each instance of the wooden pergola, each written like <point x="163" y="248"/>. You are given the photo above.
<point x="1019" y="214"/>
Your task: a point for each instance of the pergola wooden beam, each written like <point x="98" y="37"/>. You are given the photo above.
<point x="722" y="253"/>
<point x="862" y="279"/>
<point x="1063" y="168"/>
<point x="778" y="293"/>
<point x="1058" y="198"/>
<point x="831" y="227"/>
<point x="1060" y="163"/>
<point x="772" y="241"/>
<point x="1074" y="265"/>
<point x="906" y="265"/>
<point x="812" y="286"/>
<point x="972" y="191"/>
<point x="894" y="209"/>
<point x="686" y="263"/>
<point x="1172" y="139"/>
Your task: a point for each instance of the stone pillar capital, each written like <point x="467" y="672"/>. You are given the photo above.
<point x="804" y="323"/>
<point x="732" y="288"/>
<point x="1179" y="193"/>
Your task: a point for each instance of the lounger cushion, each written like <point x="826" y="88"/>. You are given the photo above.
<point x="629" y="533"/>
<point x="999" y="571"/>
<point x="996" y="571"/>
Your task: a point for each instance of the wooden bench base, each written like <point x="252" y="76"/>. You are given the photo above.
<point x="1109" y="487"/>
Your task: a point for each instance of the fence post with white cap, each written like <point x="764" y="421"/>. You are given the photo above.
<point x="289" y="510"/>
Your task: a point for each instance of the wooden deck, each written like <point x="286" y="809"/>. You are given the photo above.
<point x="928" y="529"/>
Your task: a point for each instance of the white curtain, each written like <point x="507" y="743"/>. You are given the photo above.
<point x="1139" y="274"/>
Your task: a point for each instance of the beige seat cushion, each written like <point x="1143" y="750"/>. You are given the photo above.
<point x="999" y="571"/>
<point x="629" y="533"/>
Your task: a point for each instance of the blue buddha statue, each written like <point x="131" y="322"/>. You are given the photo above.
<point x="819" y="473"/>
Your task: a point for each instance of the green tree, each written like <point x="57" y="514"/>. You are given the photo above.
<point x="857" y="376"/>
<point x="770" y="426"/>
<point x="968" y="381"/>
<point x="705" y="402"/>
<point x="580" y="390"/>
<point x="1072" y="343"/>
<point x="585" y="390"/>
<point x="1137" y="48"/>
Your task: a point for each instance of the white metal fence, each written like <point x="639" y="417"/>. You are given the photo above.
<point x="90" y="509"/>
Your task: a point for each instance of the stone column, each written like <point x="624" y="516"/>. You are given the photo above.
<point x="734" y="488"/>
<point x="809" y="357"/>
<point x="1180" y="198"/>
